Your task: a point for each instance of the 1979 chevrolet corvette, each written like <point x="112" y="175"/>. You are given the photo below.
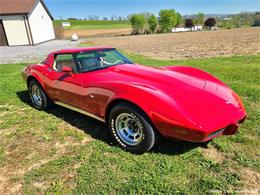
<point x="137" y="102"/>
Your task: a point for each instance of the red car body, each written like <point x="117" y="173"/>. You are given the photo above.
<point x="181" y="102"/>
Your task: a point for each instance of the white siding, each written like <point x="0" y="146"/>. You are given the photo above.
<point x="41" y="24"/>
<point x="180" y="29"/>
<point x="15" y="30"/>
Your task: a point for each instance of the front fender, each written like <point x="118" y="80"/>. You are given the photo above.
<point x="34" y="71"/>
<point x="158" y="106"/>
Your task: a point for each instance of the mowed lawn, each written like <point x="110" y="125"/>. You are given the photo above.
<point x="94" y="24"/>
<point x="61" y="151"/>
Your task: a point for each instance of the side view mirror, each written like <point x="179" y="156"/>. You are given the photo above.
<point x="66" y="69"/>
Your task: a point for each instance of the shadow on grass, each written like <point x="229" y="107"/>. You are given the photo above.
<point x="100" y="131"/>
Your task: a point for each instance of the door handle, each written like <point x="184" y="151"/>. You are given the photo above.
<point x="92" y="96"/>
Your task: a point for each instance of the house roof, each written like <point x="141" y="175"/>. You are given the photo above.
<point x="12" y="7"/>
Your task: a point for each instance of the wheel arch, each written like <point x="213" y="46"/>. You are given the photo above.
<point x="120" y="100"/>
<point x="115" y="102"/>
<point x="33" y="77"/>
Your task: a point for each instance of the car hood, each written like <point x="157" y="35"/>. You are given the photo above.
<point x="209" y="104"/>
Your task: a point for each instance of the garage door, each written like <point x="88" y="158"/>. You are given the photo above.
<point x="3" y="41"/>
<point x="15" y="30"/>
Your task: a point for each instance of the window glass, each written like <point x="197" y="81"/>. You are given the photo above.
<point x="62" y="60"/>
<point x="110" y="56"/>
<point x="88" y="61"/>
<point x="98" y="59"/>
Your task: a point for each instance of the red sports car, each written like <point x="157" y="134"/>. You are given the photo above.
<point x="137" y="102"/>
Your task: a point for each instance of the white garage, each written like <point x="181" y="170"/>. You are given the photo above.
<point x="25" y="22"/>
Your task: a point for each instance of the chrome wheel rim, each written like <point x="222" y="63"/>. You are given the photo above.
<point x="129" y="129"/>
<point x="36" y="95"/>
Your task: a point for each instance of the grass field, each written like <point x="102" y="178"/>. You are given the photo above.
<point x="93" y="24"/>
<point x="61" y="151"/>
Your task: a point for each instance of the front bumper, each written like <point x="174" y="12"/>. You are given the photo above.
<point x="193" y="135"/>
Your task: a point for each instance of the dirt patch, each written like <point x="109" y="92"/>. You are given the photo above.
<point x="40" y="185"/>
<point x="28" y="152"/>
<point x="213" y="154"/>
<point x="189" y="44"/>
<point x="252" y="181"/>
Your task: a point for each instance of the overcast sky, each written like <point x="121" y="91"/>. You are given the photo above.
<point x="83" y="8"/>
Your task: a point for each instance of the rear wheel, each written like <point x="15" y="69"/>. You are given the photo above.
<point x="131" y="128"/>
<point x="38" y="97"/>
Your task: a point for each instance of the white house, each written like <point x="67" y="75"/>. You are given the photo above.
<point x="25" y="22"/>
<point x="197" y="28"/>
<point x="183" y="29"/>
<point x="180" y="29"/>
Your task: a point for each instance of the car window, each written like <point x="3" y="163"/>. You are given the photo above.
<point x="62" y="60"/>
<point x="99" y="59"/>
<point x="88" y="61"/>
<point x="109" y="56"/>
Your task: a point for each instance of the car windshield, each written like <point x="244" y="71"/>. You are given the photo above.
<point x="93" y="60"/>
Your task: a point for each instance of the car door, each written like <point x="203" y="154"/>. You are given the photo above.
<point x="65" y="87"/>
<point x="78" y="89"/>
<point x="88" y="66"/>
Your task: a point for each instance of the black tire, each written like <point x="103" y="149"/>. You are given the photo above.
<point x="45" y="102"/>
<point x="141" y="122"/>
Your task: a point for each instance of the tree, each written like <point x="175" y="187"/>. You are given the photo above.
<point x="113" y="17"/>
<point x="152" y="23"/>
<point x="168" y="20"/>
<point x="129" y="16"/>
<point x="146" y="15"/>
<point x="179" y="19"/>
<point x="237" y="21"/>
<point x="120" y="18"/>
<point x="189" y="23"/>
<point x="138" y="23"/>
<point x="93" y="17"/>
<point x="210" y="22"/>
<point x="200" y="18"/>
<point x="72" y="19"/>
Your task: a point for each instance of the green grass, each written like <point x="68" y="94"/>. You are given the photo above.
<point x="76" y="153"/>
<point x="93" y="24"/>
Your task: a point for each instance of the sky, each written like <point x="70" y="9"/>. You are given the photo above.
<point x="106" y="8"/>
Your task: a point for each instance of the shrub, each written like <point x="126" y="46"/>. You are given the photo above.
<point x="168" y="20"/>
<point x="200" y="18"/>
<point x="179" y="19"/>
<point x="138" y="23"/>
<point x="152" y="23"/>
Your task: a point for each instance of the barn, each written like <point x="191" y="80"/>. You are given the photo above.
<point x="25" y="22"/>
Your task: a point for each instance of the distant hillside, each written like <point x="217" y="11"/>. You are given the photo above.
<point x="207" y="16"/>
<point x="218" y="15"/>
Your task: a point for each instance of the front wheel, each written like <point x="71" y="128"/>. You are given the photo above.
<point x="38" y="97"/>
<point x="131" y="128"/>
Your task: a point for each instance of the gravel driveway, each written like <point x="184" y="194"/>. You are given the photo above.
<point x="25" y="54"/>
